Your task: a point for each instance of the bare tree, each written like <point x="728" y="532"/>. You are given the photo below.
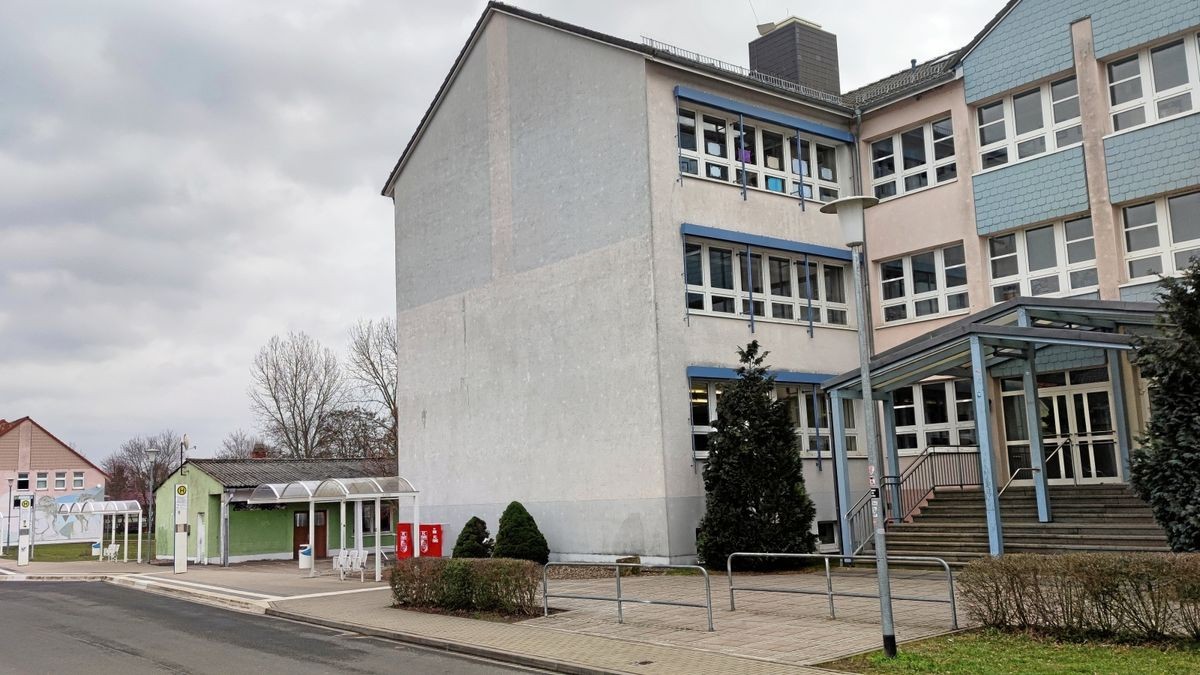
<point x="241" y="444"/>
<point x="372" y="366"/>
<point x="297" y="385"/>
<point x="361" y="434"/>
<point x="137" y="476"/>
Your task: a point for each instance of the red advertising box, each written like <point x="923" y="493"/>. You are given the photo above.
<point x="431" y="540"/>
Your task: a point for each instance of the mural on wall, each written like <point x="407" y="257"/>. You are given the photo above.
<point x="49" y="525"/>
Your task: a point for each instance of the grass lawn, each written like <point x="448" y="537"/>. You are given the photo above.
<point x="990" y="651"/>
<point x="74" y="551"/>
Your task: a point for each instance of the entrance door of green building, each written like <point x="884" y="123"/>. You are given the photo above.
<point x="300" y="534"/>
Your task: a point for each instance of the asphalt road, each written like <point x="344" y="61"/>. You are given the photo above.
<point x="97" y="628"/>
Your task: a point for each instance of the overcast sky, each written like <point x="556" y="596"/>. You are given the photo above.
<point x="179" y="181"/>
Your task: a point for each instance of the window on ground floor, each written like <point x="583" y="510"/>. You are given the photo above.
<point x="42" y="482"/>
<point x="77" y="480"/>
<point x="60" y="480"/>
<point x="23" y="480"/>
<point x="385" y="512"/>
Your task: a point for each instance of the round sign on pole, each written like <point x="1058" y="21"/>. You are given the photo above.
<point x="181" y="490"/>
<point x="25" y="503"/>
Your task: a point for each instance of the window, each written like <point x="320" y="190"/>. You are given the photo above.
<point x="60" y="480"/>
<point x="77" y="480"/>
<point x="924" y="285"/>
<point x="42" y="481"/>
<point x="812" y="431"/>
<point x="775" y="159"/>
<point x="1154" y="84"/>
<point x="1162" y="236"/>
<point x="1058" y="259"/>
<point x="23" y="480"/>
<point x="827" y="532"/>
<point x="1029" y="123"/>
<point x="934" y="414"/>
<point x="722" y="280"/>
<point x="385" y="515"/>
<point x="914" y="159"/>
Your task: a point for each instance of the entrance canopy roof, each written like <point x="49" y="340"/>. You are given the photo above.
<point x="1006" y="331"/>
<point x="118" y="507"/>
<point x="333" y="490"/>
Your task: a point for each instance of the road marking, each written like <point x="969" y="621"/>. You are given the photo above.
<point x="328" y="593"/>
<point x="4" y="571"/>
<point x="220" y="589"/>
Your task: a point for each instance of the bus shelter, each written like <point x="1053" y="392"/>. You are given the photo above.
<point x="355" y="491"/>
<point x="124" y="508"/>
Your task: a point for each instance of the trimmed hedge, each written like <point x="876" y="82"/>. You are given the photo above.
<point x="1137" y="595"/>
<point x="467" y="584"/>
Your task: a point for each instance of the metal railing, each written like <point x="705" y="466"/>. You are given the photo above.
<point x="621" y="599"/>
<point x="862" y="524"/>
<point x="829" y="591"/>
<point x="937" y="466"/>
<point x="1032" y="469"/>
<point x="770" y="80"/>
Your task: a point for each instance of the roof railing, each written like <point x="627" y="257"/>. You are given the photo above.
<point x="769" y="80"/>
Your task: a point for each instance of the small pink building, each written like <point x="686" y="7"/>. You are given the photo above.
<point x="34" y="462"/>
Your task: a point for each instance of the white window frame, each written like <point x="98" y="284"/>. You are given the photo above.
<point x="899" y="175"/>
<point x="909" y="299"/>
<point x="821" y="305"/>
<point x="1167" y="247"/>
<point x="77" y="480"/>
<point x="42" y="480"/>
<point x="22" y="476"/>
<point x="1062" y="270"/>
<point x="954" y="426"/>
<point x="794" y="175"/>
<point x="806" y="433"/>
<point x="60" y="480"/>
<point x="1049" y="130"/>
<point x="1150" y="99"/>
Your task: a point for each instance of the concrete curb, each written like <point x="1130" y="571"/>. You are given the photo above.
<point x="493" y="654"/>
<point x="191" y="595"/>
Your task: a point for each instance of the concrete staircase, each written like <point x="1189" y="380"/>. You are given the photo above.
<point x="953" y="524"/>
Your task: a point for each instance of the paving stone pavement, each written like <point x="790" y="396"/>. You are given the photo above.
<point x="769" y="633"/>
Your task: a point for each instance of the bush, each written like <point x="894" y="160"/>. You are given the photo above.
<point x="469" y="584"/>
<point x="1140" y="595"/>
<point x="519" y="536"/>
<point x="474" y="541"/>
<point x="754" y="479"/>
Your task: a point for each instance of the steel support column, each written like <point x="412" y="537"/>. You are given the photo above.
<point x="1120" y="410"/>
<point x="1033" y="422"/>
<point x="983" y="429"/>
<point x="843" y="471"/>
<point x="892" y="479"/>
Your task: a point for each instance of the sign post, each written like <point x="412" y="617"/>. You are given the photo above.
<point x="25" y="531"/>
<point x="181" y="528"/>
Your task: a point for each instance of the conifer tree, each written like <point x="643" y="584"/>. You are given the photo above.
<point x="1166" y="468"/>
<point x="519" y="536"/>
<point x="474" y="540"/>
<point x="754" y="479"/>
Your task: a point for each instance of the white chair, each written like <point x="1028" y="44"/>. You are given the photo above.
<point x="111" y="551"/>
<point x="341" y="563"/>
<point x="359" y="564"/>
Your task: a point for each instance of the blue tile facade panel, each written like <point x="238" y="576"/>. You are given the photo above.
<point x="1053" y="358"/>
<point x="1154" y="159"/>
<point x="1030" y="192"/>
<point x="1120" y="24"/>
<point x="1034" y="40"/>
<point x="1140" y="293"/>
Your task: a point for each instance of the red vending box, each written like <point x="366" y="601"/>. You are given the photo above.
<point x="431" y="540"/>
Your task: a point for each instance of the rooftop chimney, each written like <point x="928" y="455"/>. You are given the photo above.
<point x="798" y="51"/>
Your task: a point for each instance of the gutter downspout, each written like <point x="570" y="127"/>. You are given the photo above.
<point x="226" y="496"/>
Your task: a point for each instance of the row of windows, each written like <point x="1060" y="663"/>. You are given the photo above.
<point x="926" y="157"/>
<point x="1059" y="258"/>
<point x="1154" y="84"/>
<point x="42" y="480"/>
<point x="775" y="159"/>
<point x="924" y="284"/>
<point x="1029" y="123"/>
<point x="1162" y="236"/>
<point x="770" y="284"/>
<point x="934" y="414"/>
<point x="812" y="430"/>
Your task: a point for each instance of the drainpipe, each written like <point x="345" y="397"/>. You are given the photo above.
<point x="226" y="496"/>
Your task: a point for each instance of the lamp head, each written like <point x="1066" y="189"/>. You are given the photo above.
<point x="849" y="211"/>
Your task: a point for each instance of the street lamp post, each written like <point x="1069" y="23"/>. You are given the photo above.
<point x="849" y="211"/>
<point x="152" y="453"/>
<point x="8" y="519"/>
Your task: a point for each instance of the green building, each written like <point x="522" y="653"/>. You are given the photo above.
<point x="223" y="528"/>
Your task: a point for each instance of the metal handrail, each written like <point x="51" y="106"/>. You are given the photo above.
<point x="830" y="593"/>
<point x="861" y="524"/>
<point x="1034" y="469"/>
<point x="933" y="469"/>
<point x="620" y="599"/>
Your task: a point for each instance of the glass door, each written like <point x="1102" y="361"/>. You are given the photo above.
<point x="1057" y="438"/>
<point x="1095" y="446"/>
